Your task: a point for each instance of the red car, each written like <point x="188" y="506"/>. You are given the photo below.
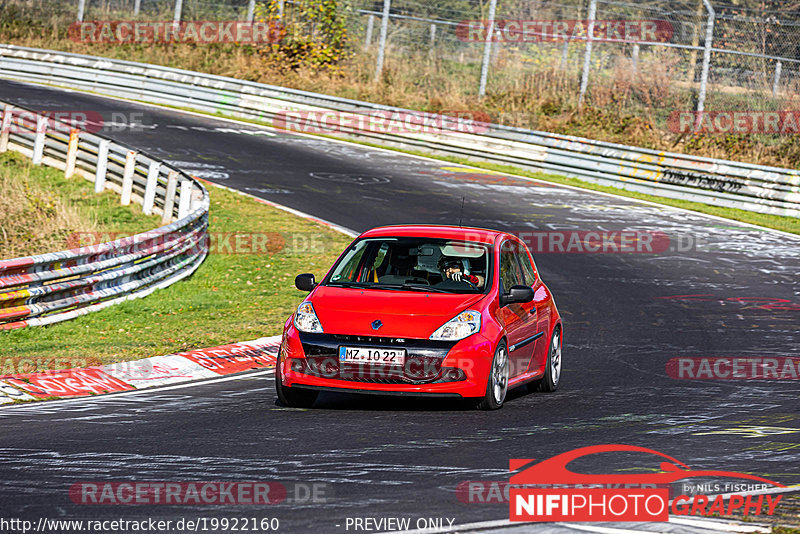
<point x="423" y="310"/>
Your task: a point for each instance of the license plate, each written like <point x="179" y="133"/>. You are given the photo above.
<point x="375" y="356"/>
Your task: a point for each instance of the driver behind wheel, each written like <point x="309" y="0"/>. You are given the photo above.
<point x="453" y="269"/>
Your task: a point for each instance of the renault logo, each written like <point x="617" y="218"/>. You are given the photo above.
<point x="376" y="324"/>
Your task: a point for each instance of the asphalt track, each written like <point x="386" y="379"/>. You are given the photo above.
<point x="387" y="457"/>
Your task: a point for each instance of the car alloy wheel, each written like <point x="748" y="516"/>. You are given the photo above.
<point x="552" y="373"/>
<point x="497" y="384"/>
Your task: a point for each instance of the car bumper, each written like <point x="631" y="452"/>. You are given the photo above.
<point x="455" y="369"/>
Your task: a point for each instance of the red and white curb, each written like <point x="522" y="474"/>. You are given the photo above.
<point x="140" y="374"/>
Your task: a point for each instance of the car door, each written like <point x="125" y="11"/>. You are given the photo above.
<point x="540" y="311"/>
<point x="519" y="318"/>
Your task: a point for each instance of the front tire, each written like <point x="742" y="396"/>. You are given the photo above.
<point x="497" y="383"/>
<point x="293" y="397"/>
<point x="552" y="373"/>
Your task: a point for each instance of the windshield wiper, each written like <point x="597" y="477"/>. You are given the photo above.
<point x="359" y="285"/>
<point x="364" y="285"/>
<point x="420" y="287"/>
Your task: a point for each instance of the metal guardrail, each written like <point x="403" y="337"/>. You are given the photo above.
<point x="731" y="184"/>
<point x="53" y="287"/>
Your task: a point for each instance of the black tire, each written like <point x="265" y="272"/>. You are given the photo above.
<point x="293" y="397"/>
<point x="498" y="376"/>
<point x="552" y="372"/>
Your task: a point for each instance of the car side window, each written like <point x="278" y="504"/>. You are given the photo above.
<point x="510" y="271"/>
<point x="527" y="267"/>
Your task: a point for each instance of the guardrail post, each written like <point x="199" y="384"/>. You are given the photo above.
<point x="169" y="198"/>
<point x="81" y="9"/>
<point x="72" y="152"/>
<point x="487" y="49"/>
<point x="38" y="141"/>
<point x="280" y="9"/>
<point x="701" y="98"/>
<point x="382" y="44"/>
<point x="251" y="11"/>
<point x="137" y="7"/>
<point x="178" y="11"/>
<point x="102" y="166"/>
<point x="433" y="34"/>
<point x="127" y="178"/>
<point x="5" y="127"/>
<point x="777" y="79"/>
<point x="587" y="56"/>
<point x="186" y="199"/>
<point x="150" y="188"/>
<point x="370" y="26"/>
<point x="635" y="58"/>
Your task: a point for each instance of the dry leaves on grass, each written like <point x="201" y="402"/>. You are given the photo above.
<point x="33" y="219"/>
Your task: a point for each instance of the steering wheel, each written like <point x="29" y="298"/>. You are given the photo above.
<point x="466" y="281"/>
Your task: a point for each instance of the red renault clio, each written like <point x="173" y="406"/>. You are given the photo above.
<point x="423" y="310"/>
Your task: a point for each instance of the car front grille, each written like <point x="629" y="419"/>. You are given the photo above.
<point x="423" y="363"/>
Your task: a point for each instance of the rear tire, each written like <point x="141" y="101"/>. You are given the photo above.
<point x="497" y="383"/>
<point x="293" y="397"/>
<point x="552" y="372"/>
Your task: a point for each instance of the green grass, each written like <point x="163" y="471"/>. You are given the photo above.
<point x="232" y="297"/>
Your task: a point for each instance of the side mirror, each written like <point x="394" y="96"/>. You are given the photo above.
<point x="305" y="282"/>
<point x="517" y="294"/>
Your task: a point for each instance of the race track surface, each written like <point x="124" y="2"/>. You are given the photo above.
<point x="382" y="457"/>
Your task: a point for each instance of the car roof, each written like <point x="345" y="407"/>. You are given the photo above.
<point x="477" y="235"/>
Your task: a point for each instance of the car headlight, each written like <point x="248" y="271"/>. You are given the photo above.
<point x="305" y="319"/>
<point x="462" y="325"/>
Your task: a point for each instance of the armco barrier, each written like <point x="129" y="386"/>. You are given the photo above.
<point x="710" y="181"/>
<point x="49" y="288"/>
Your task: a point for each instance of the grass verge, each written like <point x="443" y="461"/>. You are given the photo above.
<point x="40" y="210"/>
<point x="232" y="297"/>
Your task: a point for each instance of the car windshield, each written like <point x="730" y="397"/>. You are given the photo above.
<point x="414" y="264"/>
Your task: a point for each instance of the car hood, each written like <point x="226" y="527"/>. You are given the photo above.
<point x="402" y="313"/>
